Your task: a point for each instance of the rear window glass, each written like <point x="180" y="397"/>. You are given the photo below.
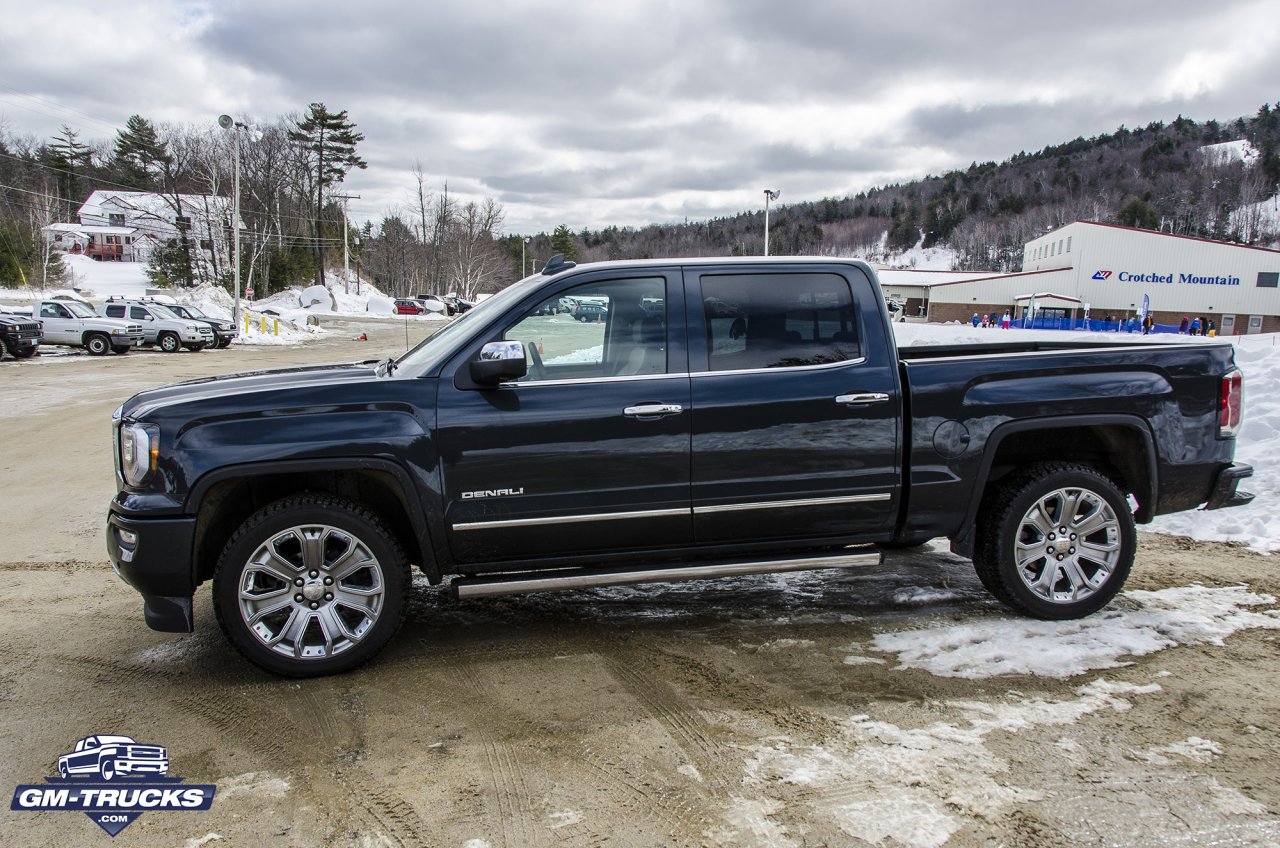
<point x="778" y="321"/>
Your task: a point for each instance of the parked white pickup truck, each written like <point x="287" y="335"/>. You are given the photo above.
<point x="69" y="322"/>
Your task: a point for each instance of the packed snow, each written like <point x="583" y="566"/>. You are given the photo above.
<point x="985" y="648"/>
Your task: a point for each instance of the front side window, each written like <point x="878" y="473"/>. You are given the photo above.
<point x="613" y="328"/>
<point x="778" y="321"/>
<point x="137" y="313"/>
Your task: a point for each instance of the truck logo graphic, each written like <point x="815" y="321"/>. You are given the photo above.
<point x="113" y="779"/>
<point x="108" y="757"/>
<point x="1101" y="275"/>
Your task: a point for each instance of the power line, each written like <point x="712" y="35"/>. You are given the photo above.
<point x="57" y="106"/>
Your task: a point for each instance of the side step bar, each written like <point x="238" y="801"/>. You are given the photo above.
<point x="580" y="578"/>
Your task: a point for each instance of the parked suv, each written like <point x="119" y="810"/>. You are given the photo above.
<point x="224" y="332"/>
<point x="19" y="335"/>
<point x="160" y="326"/>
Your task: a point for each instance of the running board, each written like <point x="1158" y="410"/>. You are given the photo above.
<point x="581" y="578"/>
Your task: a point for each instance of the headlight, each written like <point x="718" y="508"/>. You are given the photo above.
<point x="139" y="450"/>
<point x="192" y="328"/>
<point x="119" y="332"/>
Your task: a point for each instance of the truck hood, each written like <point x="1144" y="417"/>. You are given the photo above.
<point x="244" y="385"/>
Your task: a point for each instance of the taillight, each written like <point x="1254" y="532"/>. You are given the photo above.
<point x="1231" y="405"/>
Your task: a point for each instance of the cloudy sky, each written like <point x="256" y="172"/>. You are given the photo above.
<point x="630" y="112"/>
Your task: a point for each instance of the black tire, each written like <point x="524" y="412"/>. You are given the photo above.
<point x="97" y="344"/>
<point x="280" y="525"/>
<point x="169" y="342"/>
<point x="121" y="350"/>
<point x="194" y="348"/>
<point x="26" y="352"/>
<point x="1088" y="576"/>
<point x="221" y="343"/>
<point x="4" y="348"/>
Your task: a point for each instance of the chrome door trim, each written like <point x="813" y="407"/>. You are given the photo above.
<point x="862" y="398"/>
<point x="702" y="510"/>
<point x="571" y="519"/>
<point x="645" y="410"/>
<point x="821" y="366"/>
<point x="578" y="381"/>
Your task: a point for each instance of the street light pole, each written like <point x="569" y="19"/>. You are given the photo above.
<point x="226" y="122"/>
<point x="769" y="194"/>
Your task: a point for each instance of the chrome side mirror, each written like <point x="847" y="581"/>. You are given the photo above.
<point x="499" y="362"/>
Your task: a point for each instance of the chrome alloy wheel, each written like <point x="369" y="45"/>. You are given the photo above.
<point x="1068" y="545"/>
<point x="311" y="591"/>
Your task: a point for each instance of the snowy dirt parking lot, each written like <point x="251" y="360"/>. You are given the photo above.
<point x="889" y="705"/>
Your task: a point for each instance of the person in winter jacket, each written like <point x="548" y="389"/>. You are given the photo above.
<point x="1182" y="328"/>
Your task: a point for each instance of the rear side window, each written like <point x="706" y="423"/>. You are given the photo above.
<point x="778" y="321"/>
<point x="115" y="311"/>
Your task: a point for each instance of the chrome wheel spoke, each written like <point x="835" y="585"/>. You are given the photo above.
<point x="1065" y="568"/>
<point x="311" y="592"/>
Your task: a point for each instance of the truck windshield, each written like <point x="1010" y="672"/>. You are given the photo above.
<point x="78" y="309"/>
<point x="440" y="344"/>
<point x="163" y="312"/>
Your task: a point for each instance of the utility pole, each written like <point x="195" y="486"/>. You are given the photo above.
<point x="346" y="262"/>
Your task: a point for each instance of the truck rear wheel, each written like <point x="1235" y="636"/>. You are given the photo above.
<point x="97" y="344"/>
<point x="1055" y="542"/>
<point x="311" y="585"/>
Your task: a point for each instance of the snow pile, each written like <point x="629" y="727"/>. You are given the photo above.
<point x="262" y="329"/>
<point x="316" y="299"/>
<point x="1184" y="616"/>
<point x="379" y="305"/>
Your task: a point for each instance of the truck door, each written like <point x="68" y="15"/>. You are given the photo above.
<point x="796" y="404"/>
<point x="58" y="326"/>
<point x="589" y="452"/>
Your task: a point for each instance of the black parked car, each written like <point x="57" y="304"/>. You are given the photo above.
<point x="224" y="332"/>
<point x="19" y="335"/>
<point x="590" y="311"/>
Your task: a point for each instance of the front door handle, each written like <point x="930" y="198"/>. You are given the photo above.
<point x="649" y="410"/>
<point x="861" y="398"/>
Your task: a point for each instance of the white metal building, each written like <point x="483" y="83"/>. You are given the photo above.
<point x="1108" y="269"/>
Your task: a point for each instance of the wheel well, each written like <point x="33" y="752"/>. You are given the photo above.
<point x="1116" y="450"/>
<point x="228" y="503"/>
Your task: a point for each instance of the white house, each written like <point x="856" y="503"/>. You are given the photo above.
<point x="125" y="226"/>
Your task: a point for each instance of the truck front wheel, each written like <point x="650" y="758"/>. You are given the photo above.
<point x="170" y="343"/>
<point x="311" y="585"/>
<point x="97" y="344"/>
<point x="1056" y="541"/>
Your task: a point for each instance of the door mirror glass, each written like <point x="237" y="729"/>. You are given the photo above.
<point x="499" y="362"/>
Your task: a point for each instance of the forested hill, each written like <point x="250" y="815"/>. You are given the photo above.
<point x="1156" y="177"/>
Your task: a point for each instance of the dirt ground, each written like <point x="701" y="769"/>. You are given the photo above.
<point x="746" y="712"/>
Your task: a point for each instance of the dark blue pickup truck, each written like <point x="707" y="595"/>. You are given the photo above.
<point x="717" y="417"/>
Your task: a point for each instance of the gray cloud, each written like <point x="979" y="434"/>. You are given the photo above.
<point x="644" y="111"/>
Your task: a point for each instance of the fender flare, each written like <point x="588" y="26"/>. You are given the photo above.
<point x="408" y="491"/>
<point x="963" y="542"/>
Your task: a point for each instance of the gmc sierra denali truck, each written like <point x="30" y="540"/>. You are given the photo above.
<point x="718" y="417"/>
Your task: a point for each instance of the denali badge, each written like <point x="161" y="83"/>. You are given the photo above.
<point x="491" y="493"/>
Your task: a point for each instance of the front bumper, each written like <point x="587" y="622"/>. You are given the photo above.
<point x="154" y="556"/>
<point x="1224" y="492"/>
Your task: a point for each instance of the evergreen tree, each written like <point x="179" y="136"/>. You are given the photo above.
<point x="139" y="154"/>
<point x="68" y="157"/>
<point x="1138" y="213"/>
<point x="562" y="242"/>
<point x="329" y="141"/>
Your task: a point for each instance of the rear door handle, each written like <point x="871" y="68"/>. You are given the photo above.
<point x="862" y="398"/>
<point x="649" y="410"/>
